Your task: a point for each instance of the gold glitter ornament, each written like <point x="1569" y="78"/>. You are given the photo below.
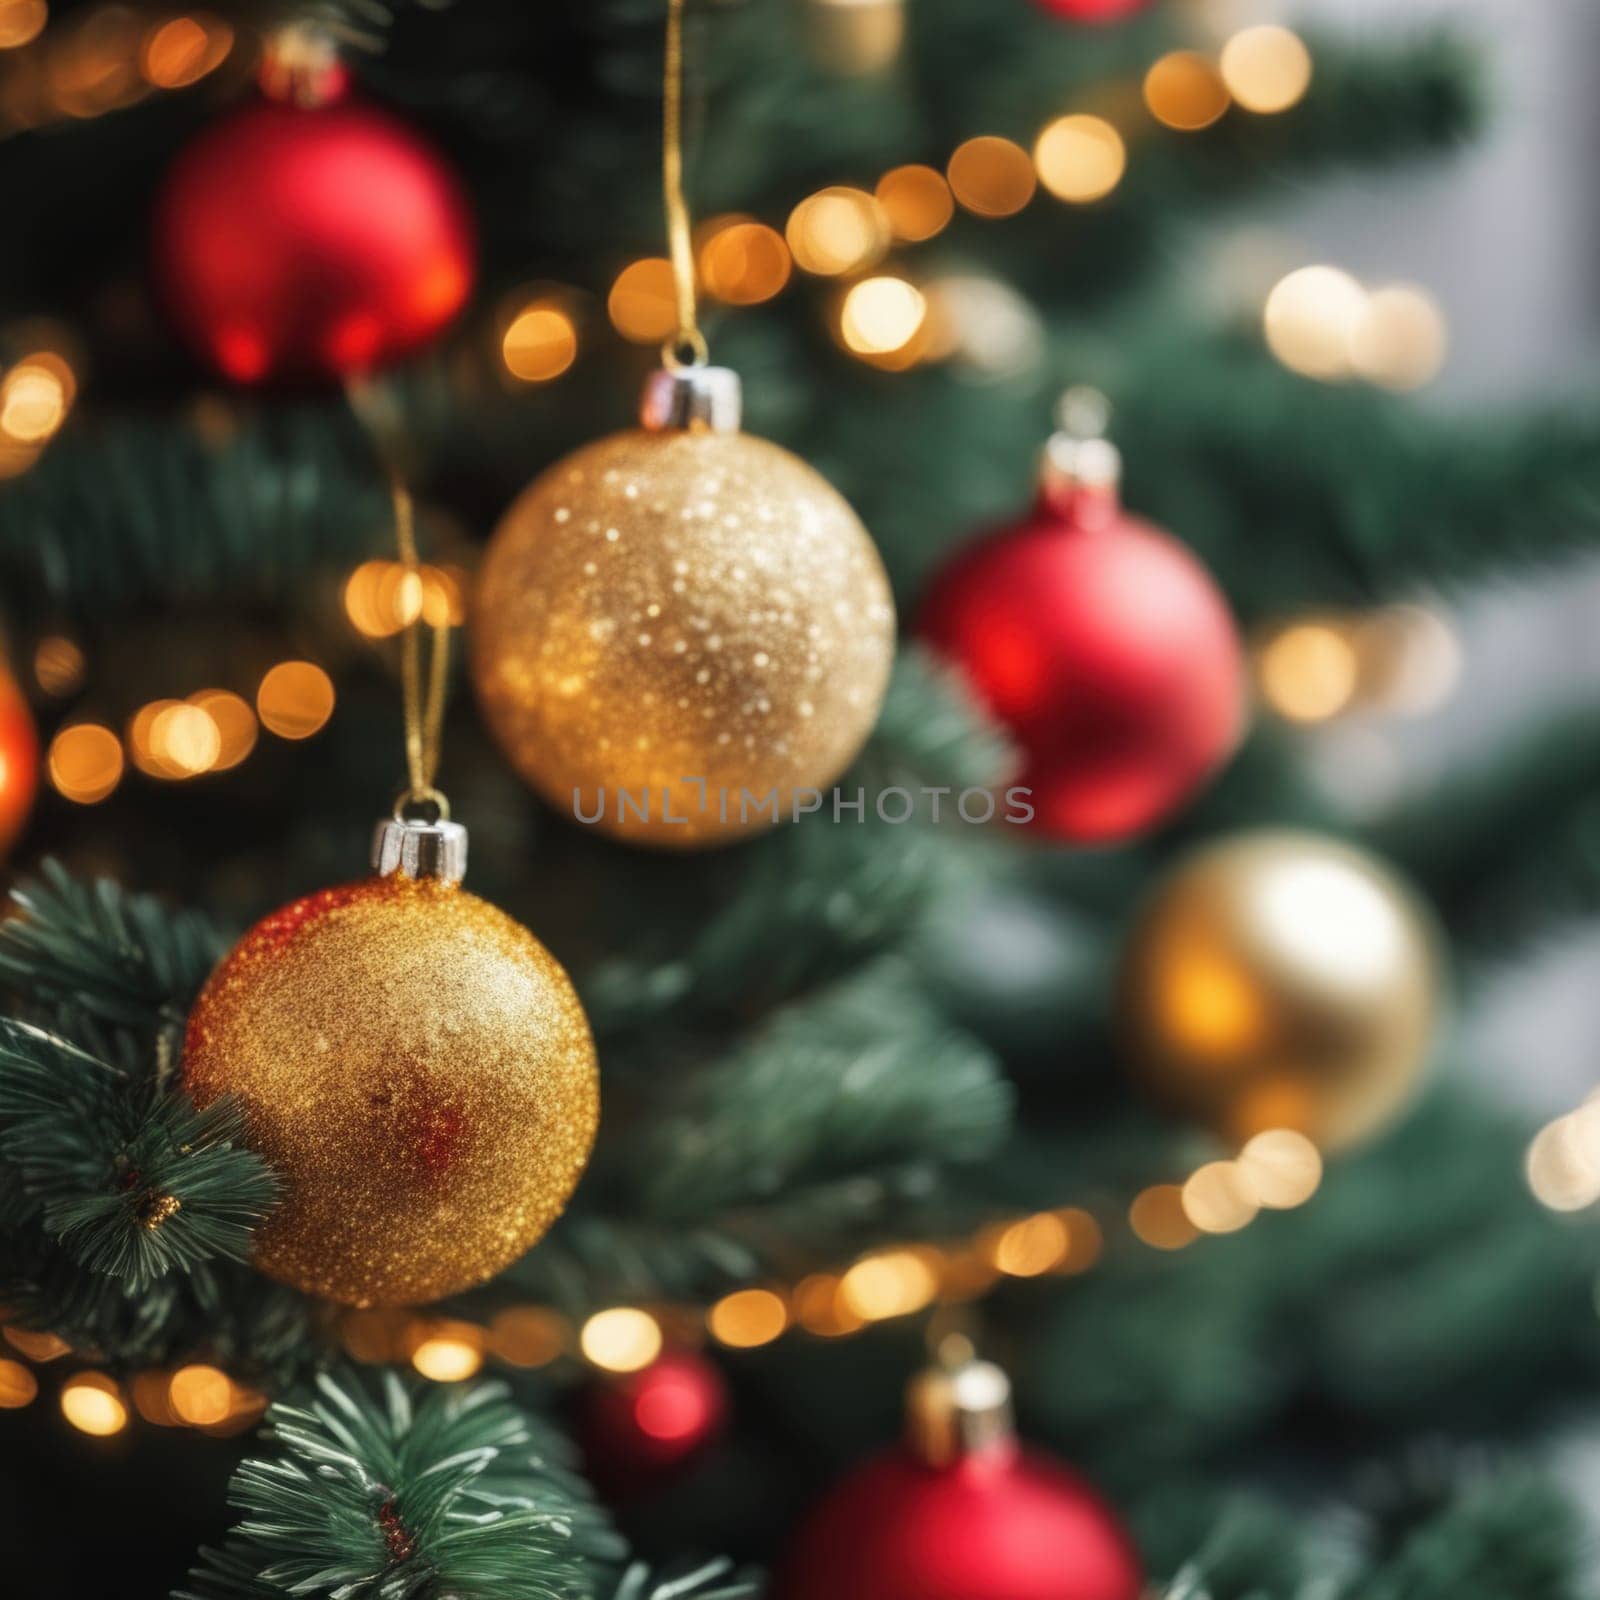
<point x="1282" y="980"/>
<point x="415" y="1067"/>
<point x="682" y="633"/>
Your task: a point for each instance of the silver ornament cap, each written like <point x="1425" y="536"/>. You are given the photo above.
<point x="413" y="848"/>
<point x="693" y="397"/>
<point x="956" y="1410"/>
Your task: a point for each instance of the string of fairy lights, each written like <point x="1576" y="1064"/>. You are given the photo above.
<point x="1277" y="1170"/>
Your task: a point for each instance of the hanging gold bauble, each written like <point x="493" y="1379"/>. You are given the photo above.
<point x="415" y="1067"/>
<point x="1282" y="980"/>
<point x="677" y="624"/>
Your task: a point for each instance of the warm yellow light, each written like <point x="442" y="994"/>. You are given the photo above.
<point x="150" y="1391"/>
<point x="820" y="1307"/>
<point x="881" y="315"/>
<point x="1158" y="1218"/>
<point x="890" y="1283"/>
<point x="1210" y="1006"/>
<point x="744" y="262"/>
<point x="642" y="304"/>
<point x="1309" y="671"/>
<point x="234" y="721"/>
<point x="200" y="1395"/>
<point x="837" y="230"/>
<point x="1266" y="68"/>
<point x="748" y="1318"/>
<point x="1219" y="1199"/>
<point x="92" y="1403"/>
<point x="1184" y="91"/>
<point x="15" y="459"/>
<point x="1410" y="658"/>
<point x="58" y="665"/>
<point x="917" y="201"/>
<point x="1084" y="1240"/>
<point x="1311" y="318"/>
<point x="1400" y="340"/>
<point x="18" y="1386"/>
<point x="183" y="50"/>
<point x="967" y="1274"/>
<point x="382" y="597"/>
<point x="85" y="762"/>
<point x="295" y="699"/>
<point x="1030" y="1247"/>
<point x="528" y="1336"/>
<point x="35" y="1345"/>
<point x="140" y="747"/>
<point x="623" y="1339"/>
<point x="1563" y="1163"/>
<point x="540" y="344"/>
<point x="1283" y="1168"/>
<point x="444" y="596"/>
<point x="33" y="402"/>
<point x="185" y="739"/>
<point x="21" y="22"/>
<point x="1080" y="158"/>
<point x="449" y="1353"/>
<point x="992" y="177"/>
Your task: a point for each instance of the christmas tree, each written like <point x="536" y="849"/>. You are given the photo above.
<point x="993" y="1002"/>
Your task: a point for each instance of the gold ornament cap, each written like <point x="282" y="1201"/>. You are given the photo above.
<point x="415" y="848"/>
<point x="958" y="1409"/>
<point x="700" y="398"/>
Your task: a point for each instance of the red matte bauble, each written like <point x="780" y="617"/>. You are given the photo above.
<point x="296" y="242"/>
<point x="1000" y="1524"/>
<point x="639" y="1427"/>
<point x="19" y="760"/>
<point x="1092" y="10"/>
<point x="1109" y="653"/>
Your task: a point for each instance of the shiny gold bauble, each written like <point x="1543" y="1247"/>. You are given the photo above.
<point x="669" y="621"/>
<point x="1282" y="980"/>
<point x="416" y="1068"/>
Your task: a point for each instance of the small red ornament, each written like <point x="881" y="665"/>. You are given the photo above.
<point x="1092" y="10"/>
<point x="1102" y="644"/>
<point x="961" y="1512"/>
<point x="311" y="241"/>
<point x="640" y="1427"/>
<point x="19" y="760"/>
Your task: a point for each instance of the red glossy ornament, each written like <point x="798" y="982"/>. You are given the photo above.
<point x="320" y="241"/>
<point x="19" y="760"/>
<point x="961" y="1512"/>
<point x="1102" y="644"/>
<point x="1092" y="10"/>
<point x="642" y="1426"/>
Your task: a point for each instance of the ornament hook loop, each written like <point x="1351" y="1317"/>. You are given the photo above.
<point x="686" y="350"/>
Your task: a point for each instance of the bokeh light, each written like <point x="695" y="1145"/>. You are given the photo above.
<point x="888" y="1283"/>
<point x="182" y="50"/>
<point x="1218" y="1198"/>
<point x="1158" y="1218"/>
<point x="1308" y="671"/>
<point x="185" y="740"/>
<point x="743" y="262"/>
<point x="992" y="177"/>
<point x="234" y="721"/>
<point x="1266" y="69"/>
<point x="917" y="201"/>
<point x="748" y="1318"/>
<point x="1080" y="158"/>
<point x="1282" y="1167"/>
<point x="295" y="699"/>
<point x="528" y="1336"/>
<point x="837" y="230"/>
<point x="18" y="1386"/>
<point x="1310" y="320"/>
<point x="58" y="665"/>
<point x="1400" y="340"/>
<point x="642" y="304"/>
<point x="448" y="1352"/>
<point x="93" y="1404"/>
<point x="1563" y="1162"/>
<point x="85" y="762"/>
<point x="820" y="1307"/>
<point x="881" y="315"/>
<point x="540" y="344"/>
<point x="21" y="22"/>
<point x="1029" y="1247"/>
<point x="200" y="1395"/>
<point x="1185" y="91"/>
<point x="35" y="396"/>
<point x="623" y="1339"/>
<point x="36" y="1344"/>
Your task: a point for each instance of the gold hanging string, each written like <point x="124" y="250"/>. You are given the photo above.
<point x="424" y="705"/>
<point x="688" y="338"/>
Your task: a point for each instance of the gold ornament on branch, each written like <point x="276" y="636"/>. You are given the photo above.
<point x="682" y="633"/>
<point x="1282" y="980"/>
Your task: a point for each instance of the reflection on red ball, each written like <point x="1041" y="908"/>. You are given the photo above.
<point x="641" y="1426"/>
<point x="295" y="242"/>
<point x="1108" y="652"/>
<point x="1001" y="1524"/>
<point x="19" y="761"/>
<point x="1092" y="10"/>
